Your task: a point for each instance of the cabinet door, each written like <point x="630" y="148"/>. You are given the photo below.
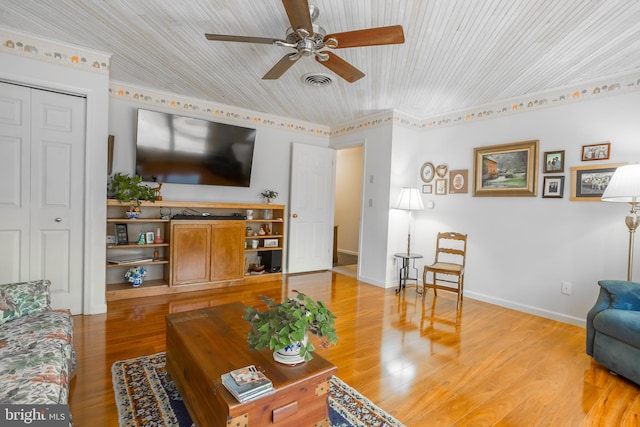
<point x="227" y="257"/>
<point x="190" y="253"/>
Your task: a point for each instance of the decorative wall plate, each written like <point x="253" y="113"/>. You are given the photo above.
<point x="441" y="170"/>
<point x="427" y="172"/>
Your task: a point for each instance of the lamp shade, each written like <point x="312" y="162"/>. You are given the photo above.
<point x="410" y="200"/>
<point x="624" y="185"/>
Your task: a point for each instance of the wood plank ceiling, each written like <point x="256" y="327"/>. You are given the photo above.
<point x="457" y="53"/>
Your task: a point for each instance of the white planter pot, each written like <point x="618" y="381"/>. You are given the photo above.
<point x="290" y="355"/>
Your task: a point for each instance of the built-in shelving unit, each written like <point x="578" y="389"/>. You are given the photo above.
<point x="173" y="265"/>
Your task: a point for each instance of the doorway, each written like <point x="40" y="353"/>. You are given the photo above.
<point x="347" y="212"/>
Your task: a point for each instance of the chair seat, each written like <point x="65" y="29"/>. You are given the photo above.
<point x="443" y="267"/>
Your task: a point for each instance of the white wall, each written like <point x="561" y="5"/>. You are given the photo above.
<point x="521" y="248"/>
<point x="348" y="198"/>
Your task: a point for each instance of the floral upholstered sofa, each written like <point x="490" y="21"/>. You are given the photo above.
<point x="36" y="346"/>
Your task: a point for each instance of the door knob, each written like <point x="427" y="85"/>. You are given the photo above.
<point x="295" y="215"/>
<point x="58" y="219"/>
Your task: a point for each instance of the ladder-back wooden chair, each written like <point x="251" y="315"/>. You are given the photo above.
<point x="448" y="267"/>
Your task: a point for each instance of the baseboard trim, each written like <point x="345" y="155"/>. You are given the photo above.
<point x="560" y="317"/>
<point x="347" y="252"/>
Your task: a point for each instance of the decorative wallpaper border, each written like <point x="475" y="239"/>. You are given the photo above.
<point x="240" y="116"/>
<point x="569" y="95"/>
<point x="16" y="43"/>
<point x="55" y="52"/>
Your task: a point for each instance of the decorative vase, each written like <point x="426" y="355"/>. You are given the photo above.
<point x="132" y="213"/>
<point x="267" y="214"/>
<point x="135" y="275"/>
<point x="290" y="355"/>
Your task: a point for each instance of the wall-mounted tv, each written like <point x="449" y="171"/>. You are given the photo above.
<point x="185" y="150"/>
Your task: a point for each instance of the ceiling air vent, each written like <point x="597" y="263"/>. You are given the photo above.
<point x="317" y="79"/>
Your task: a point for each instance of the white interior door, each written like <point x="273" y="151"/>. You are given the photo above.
<point x="311" y="208"/>
<point x="42" y="201"/>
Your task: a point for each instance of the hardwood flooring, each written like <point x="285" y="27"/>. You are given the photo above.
<point x="424" y="363"/>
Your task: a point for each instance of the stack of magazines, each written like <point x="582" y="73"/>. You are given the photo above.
<point x="247" y="383"/>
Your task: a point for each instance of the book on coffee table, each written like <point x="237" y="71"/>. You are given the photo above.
<point x="247" y="383"/>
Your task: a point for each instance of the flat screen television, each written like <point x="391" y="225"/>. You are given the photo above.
<point x="185" y="150"/>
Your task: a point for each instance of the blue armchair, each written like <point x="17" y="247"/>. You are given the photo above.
<point x="613" y="328"/>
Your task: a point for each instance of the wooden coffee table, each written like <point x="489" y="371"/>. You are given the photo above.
<point x="204" y="344"/>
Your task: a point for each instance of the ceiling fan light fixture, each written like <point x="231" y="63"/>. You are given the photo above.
<point x="317" y="79"/>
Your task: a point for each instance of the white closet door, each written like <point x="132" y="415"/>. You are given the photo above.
<point x="15" y="205"/>
<point x="51" y="223"/>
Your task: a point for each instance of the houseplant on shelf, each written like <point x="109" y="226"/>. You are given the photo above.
<point x="269" y="195"/>
<point x="283" y="327"/>
<point x="131" y="191"/>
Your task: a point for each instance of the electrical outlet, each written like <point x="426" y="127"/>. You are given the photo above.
<point x="566" y="287"/>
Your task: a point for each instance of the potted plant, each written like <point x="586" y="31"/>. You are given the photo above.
<point x="283" y="327"/>
<point x="130" y="190"/>
<point x="269" y="195"/>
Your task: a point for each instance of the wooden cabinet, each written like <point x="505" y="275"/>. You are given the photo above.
<point x="206" y="251"/>
<point x="227" y="250"/>
<point x="195" y="254"/>
<point x="190" y="252"/>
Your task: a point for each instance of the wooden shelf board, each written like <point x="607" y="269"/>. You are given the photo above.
<point x="133" y="264"/>
<point x="132" y="245"/>
<point x="133" y="221"/>
<point x="119" y="291"/>
<point x="195" y="205"/>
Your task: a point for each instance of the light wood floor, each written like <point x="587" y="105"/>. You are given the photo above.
<point x="424" y="363"/>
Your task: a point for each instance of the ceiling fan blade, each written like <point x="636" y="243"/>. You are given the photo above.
<point x="243" y="39"/>
<point x="281" y="67"/>
<point x="298" y="13"/>
<point x="369" y="37"/>
<point x="341" y="67"/>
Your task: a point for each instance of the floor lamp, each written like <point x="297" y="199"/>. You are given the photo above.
<point x="625" y="187"/>
<point x="410" y="200"/>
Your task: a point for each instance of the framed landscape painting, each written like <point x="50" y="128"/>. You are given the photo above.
<point x="506" y="170"/>
<point x="589" y="182"/>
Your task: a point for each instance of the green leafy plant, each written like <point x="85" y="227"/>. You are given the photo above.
<point x="284" y="324"/>
<point x="269" y="194"/>
<point x="130" y="189"/>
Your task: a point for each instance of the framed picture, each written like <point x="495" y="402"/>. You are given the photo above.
<point x="506" y="169"/>
<point x="458" y="180"/>
<point x="427" y="172"/>
<point x="122" y="234"/>
<point x="589" y="182"/>
<point x="596" y="151"/>
<point x="148" y="237"/>
<point x="553" y="161"/>
<point x="553" y="187"/>
<point x="427" y="189"/>
<point x="441" y="187"/>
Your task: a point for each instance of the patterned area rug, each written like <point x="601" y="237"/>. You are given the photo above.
<point x="146" y="396"/>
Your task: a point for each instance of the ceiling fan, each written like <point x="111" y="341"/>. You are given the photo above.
<point x="308" y="39"/>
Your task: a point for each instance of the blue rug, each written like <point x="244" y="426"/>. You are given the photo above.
<point x="146" y="396"/>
